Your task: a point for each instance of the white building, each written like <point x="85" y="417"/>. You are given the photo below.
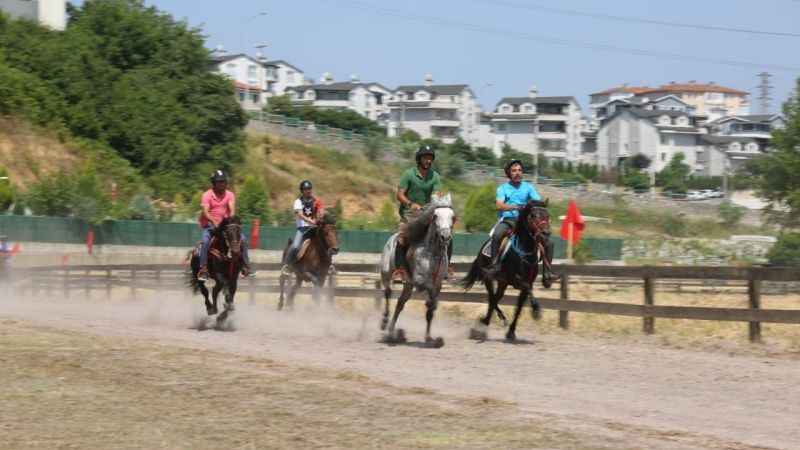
<point x="549" y="126"/>
<point x="367" y="99"/>
<point x="709" y="149"/>
<point x="443" y="112"/>
<point x="256" y="79"/>
<point x="50" y="13"/>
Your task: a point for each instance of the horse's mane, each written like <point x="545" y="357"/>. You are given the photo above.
<point x="230" y="220"/>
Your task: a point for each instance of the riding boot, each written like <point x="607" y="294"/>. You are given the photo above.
<point x="494" y="267"/>
<point x="548" y="277"/>
<point x="400" y="264"/>
<point x="202" y="274"/>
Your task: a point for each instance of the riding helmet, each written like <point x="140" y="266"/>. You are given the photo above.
<point x="218" y="175"/>
<point x="507" y="168"/>
<point x="305" y="184"/>
<point x="424" y="150"/>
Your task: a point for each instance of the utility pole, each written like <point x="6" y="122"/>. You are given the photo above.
<point x="764" y="88"/>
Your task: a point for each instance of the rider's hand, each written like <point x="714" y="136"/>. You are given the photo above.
<point x="415" y="207"/>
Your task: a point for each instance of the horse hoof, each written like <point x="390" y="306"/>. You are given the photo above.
<point x="400" y="335"/>
<point x="211" y="311"/>
<point x="511" y="337"/>
<point x="437" y="342"/>
<point x="477" y="335"/>
<point x="229" y="307"/>
<point x="396" y="337"/>
<point x="384" y="323"/>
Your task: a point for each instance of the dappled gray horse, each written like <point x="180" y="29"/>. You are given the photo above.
<point x="427" y="260"/>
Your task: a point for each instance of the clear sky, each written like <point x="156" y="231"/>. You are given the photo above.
<point x="503" y="47"/>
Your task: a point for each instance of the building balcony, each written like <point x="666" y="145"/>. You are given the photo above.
<point x="553" y="117"/>
<point x="423" y="104"/>
<point x="558" y="154"/>
<point x="445" y="123"/>
<point x="552" y="135"/>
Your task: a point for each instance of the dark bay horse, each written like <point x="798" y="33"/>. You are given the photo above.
<point x="428" y="261"/>
<point x="519" y="268"/>
<point x="315" y="264"/>
<point x="224" y="266"/>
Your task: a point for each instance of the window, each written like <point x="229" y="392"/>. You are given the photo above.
<point x="242" y="96"/>
<point x="752" y="147"/>
<point x="664" y="120"/>
<point x="254" y="97"/>
<point x="664" y="139"/>
<point x="252" y="72"/>
<point x="310" y="94"/>
<point x="527" y="108"/>
<point x="421" y="95"/>
<point x="663" y="157"/>
<point x="290" y="76"/>
<point x="715" y="96"/>
<point x="735" y="147"/>
<point x="547" y="108"/>
<point x="683" y="121"/>
<point x="506" y="109"/>
<point x="552" y="127"/>
<point x="501" y="127"/>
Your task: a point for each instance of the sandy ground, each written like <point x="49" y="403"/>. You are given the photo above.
<point x="587" y="392"/>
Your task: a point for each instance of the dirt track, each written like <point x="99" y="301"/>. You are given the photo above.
<point x="628" y="393"/>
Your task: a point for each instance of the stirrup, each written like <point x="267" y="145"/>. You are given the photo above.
<point x="400" y="275"/>
<point x="202" y="275"/>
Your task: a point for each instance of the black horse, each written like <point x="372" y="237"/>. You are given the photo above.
<point x="224" y="266"/>
<point x="519" y="268"/>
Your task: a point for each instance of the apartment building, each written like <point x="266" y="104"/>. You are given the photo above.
<point x="439" y="111"/>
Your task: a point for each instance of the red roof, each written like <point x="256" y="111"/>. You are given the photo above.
<point x="674" y="88"/>
<point x="246" y="87"/>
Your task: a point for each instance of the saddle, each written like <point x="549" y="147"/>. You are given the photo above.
<point x="302" y="250"/>
<point x="486" y="250"/>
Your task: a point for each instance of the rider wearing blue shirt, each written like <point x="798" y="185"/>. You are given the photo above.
<point x="5" y="253"/>
<point x="510" y="198"/>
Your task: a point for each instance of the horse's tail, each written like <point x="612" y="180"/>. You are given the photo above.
<point x="191" y="272"/>
<point x="475" y="274"/>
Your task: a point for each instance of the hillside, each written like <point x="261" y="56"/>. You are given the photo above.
<point x="30" y="153"/>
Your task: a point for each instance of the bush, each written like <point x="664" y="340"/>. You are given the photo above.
<point x="675" y="226"/>
<point x="253" y="201"/>
<point x="373" y="147"/>
<point x="479" y="212"/>
<point x="582" y="253"/>
<point x="388" y="217"/>
<point x="730" y="214"/>
<point x="141" y="207"/>
<point x="786" y="251"/>
<point x="636" y="180"/>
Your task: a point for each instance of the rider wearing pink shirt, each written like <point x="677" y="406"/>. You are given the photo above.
<point x="218" y="203"/>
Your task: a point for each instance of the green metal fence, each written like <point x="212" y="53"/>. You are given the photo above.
<point x="165" y="234"/>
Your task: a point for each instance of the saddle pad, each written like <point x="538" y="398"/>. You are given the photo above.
<point x="487" y="247"/>
<point x="303" y="247"/>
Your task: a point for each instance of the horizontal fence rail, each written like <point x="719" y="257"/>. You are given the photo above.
<point x="87" y="278"/>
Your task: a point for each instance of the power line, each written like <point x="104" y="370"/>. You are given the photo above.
<point x="571" y="12"/>
<point x="439" y="21"/>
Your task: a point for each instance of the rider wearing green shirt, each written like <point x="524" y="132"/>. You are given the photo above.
<point x="417" y="185"/>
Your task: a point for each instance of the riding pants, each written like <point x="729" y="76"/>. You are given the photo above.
<point x="299" y="237"/>
<point x="207" y="233"/>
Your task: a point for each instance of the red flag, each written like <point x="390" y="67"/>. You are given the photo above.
<point x="575" y="220"/>
<point x="90" y="240"/>
<point x="254" y="233"/>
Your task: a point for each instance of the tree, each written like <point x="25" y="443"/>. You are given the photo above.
<point x="479" y="211"/>
<point x="777" y="172"/>
<point x="638" y="161"/>
<point x="485" y="155"/>
<point x="51" y="196"/>
<point x="387" y="218"/>
<point x="786" y="251"/>
<point x="410" y="136"/>
<point x="253" y="201"/>
<point x="6" y="193"/>
<point x="673" y="177"/>
<point x="90" y="201"/>
<point x="373" y="147"/>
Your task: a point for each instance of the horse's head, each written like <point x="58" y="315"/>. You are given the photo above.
<point x="444" y="218"/>
<point x="327" y="231"/>
<point x="534" y="217"/>
<point x="232" y="234"/>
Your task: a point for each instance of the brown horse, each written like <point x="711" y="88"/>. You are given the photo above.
<point x="224" y="266"/>
<point x="315" y="264"/>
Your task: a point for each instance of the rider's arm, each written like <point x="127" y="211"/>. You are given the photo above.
<point x="500" y="201"/>
<point x="402" y="190"/>
<point x="207" y="213"/>
<point x="232" y="206"/>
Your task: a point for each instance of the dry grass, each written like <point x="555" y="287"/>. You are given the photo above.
<point x="69" y="390"/>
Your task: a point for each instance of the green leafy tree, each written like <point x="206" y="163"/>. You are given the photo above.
<point x="673" y="177"/>
<point x="6" y="192"/>
<point x="485" y="155"/>
<point x="638" y="161"/>
<point x="410" y="136"/>
<point x="51" y="196"/>
<point x="777" y="172"/>
<point x="786" y="251"/>
<point x="253" y="201"/>
<point x="387" y="218"/>
<point x="90" y="201"/>
<point x="338" y="209"/>
<point x="374" y="147"/>
<point x="141" y="207"/>
<point x="479" y="212"/>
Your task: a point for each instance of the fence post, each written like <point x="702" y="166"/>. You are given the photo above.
<point x="563" y="316"/>
<point x="66" y="282"/>
<point x="754" y="294"/>
<point x="108" y="284"/>
<point x="252" y="288"/>
<point x="648" y="323"/>
<point x="133" y="283"/>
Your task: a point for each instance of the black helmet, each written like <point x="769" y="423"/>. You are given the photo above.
<point x="305" y="184"/>
<point x="424" y="150"/>
<point x="507" y="168"/>
<point x="218" y="175"/>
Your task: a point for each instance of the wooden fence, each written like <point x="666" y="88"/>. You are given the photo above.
<point x="361" y="281"/>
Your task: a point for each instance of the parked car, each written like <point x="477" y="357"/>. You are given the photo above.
<point x="695" y="195"/>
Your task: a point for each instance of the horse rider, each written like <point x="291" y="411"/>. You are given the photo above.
<point x="218" y="203"/>
<point x="308" y="210"/>
<point x="417" y="186"/>
<point x="510" y="198"/>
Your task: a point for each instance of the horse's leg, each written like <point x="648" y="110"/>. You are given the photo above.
<point x="215" y="294"/>
<point x="282" y="283"/>
<point x="398" y="308"/>
<point x="431" y="305"/>
<point x="387" y="294"/>
<point x="293" y="291"/>
<point x="479" y="331"/>
<point x="498" y="295"/>
<point x="315" y="287"/>
<point x="511" y="335"/>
